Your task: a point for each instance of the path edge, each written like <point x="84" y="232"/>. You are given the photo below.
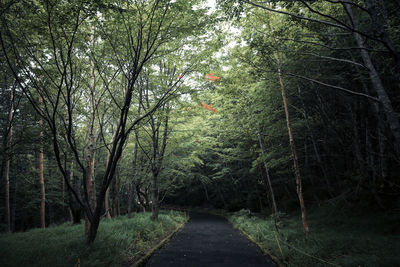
<point x="145" y="258"/>
<point x="274" y="258"/>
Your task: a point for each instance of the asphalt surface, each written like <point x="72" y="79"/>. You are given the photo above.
<point x="209" y="240"/>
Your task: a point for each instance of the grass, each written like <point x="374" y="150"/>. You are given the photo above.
<point x="117" y="242"/>
<point x="338" y="237"/>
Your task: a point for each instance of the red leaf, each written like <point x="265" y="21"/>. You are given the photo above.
<point x="212" y="77"/>
<point x="209" y="107"/>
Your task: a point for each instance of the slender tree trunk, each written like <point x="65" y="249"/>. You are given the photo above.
<point x="107" y="204"/>
<point x="306" y="160"/>
<point x="268" y="182"/>
<point x="157" y="159"/>
<point x="7" y="178"/>
<point x="132" y="186"/>
<point x="71" y="181"/>
<point x="146" y="201"/>
<point x="299" y="188"/>
<point x="7" y="156"/>
<point x="205" y="191"/>
<point x="42" y="185"/>
<point x="14" y="205"/>
<point x="307" y="168"/>
<point x="131" y="196"/>
<point x="63" y="194"/>
<point x="372" y="166"/>
<point x="91" y="154"/>
<point x="142" y="198"/>
<point x="41" y="175"/>
<point x="116" y="200"/>
<point x="221" y="196"/>
<point x="154" y="195"/>
<point x="270" y="191"/>
<point x="75" y="209"/>
<point x="360" y="162"/>
<point x="380" y="128"/>
<point x="382" y="160"/>
<point x="259" y="196"/>
<point x="314" y="144"/>
<point x="384" y="99"/>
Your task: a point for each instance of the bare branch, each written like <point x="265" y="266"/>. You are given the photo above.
<point x="332" y="86"/>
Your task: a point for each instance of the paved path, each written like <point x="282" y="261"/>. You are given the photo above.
<point x="209" y="240"/>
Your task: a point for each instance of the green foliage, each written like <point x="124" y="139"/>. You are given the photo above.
<point x="344" y="142"/>
<point x="63" y="245"/>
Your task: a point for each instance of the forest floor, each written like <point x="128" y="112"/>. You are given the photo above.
<point x="209" y="240"/>
<point x="118" y="241"/>
<point x="340" y="236"/>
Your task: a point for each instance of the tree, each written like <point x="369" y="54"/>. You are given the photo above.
<point x="7" y="139"/>
<point x="158" y="129"/>
<point x="383" y="38"/>
<point x="41" y="174"/>
<point x="61" y="69"/>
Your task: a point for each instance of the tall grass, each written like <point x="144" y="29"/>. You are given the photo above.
<point x="117" y="240"/>
<point x="342" y="238"/>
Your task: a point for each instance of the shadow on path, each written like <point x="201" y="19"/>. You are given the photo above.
<point x="209" y="240"/>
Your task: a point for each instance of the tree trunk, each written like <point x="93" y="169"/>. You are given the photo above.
<point x="154" y="196"/>
<point x="7" y="179"/>
<point x="382" y="160"/>
<point x="14" y="205"/>
<point x="380" y="128"/>
<point x="41" y="175"/>
<point x="360" y="162"/>
<point x="131" y="197"/>
<point x="383" y="97"/>
<point x="93" y="227"/>
<point x="142" y="198"/>
<point x="7" y="155"/>
<point x="205" y="191"/>
<point x="116" y="201"/>
<point x="221" y="196"/>
<point x="107" y="204"/>
<point x="315" y="147"/>
<point x="299" y="188"/>
<point x="74" y="208"/>
<point x="372" y="166"/>
<point x="95" y="217"/>
<point x="157" y="159"/>
<point x="132" y="186"/>
<point x="63" y="194"/>
<point x="42" y="186"/>
<point x="268" y="182"/>
<point x="91" y="154"/>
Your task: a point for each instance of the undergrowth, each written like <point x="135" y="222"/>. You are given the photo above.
<point x="338" y="237"/>
<point x="117" y="240"/>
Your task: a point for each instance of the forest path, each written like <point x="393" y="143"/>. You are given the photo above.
<point x="209" y="240"/>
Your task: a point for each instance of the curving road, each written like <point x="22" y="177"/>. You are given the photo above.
<point x="209" y="240"/>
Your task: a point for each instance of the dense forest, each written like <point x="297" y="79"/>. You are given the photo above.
<point x="118" y="107"/>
